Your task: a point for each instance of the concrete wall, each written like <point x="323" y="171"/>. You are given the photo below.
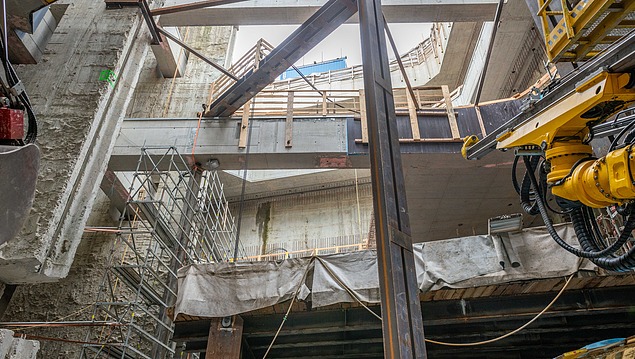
<point x="182" y="97"/>
<point x="71" y="102"/>
<point x="305" y="221"/>
<point x="17" y="348"/>
<point x="70" y="298"/>
<point x="475" y="69"/>
<point x="78" y="117"/>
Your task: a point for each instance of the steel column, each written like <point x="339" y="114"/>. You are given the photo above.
<point x="401" y="311"/>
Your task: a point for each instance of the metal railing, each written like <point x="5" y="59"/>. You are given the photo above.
<point x="429" y="49"/>
<point x="290" y="104"/>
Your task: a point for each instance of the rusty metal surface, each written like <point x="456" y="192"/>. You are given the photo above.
<point x="333" y="14"/>
<point x="402" y="322"/>
<point x="18" y="175"/>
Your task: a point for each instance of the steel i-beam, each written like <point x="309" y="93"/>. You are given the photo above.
<point x="328" y="18"/>
<point x="401" y="311"/>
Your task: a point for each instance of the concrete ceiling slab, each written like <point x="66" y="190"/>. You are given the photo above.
<point x="447" y="196"/>
<point x="289" y="12"/>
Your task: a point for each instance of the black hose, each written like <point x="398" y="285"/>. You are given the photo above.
<point x="552" y="231"/>
<point x="594" y="229"/>
<point x="587" y="243"/>
<point x="514" y="179"/>
<point x="526" y="203"/>
<point x="619" y="136"/>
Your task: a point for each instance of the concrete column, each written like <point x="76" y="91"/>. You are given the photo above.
<point x="171" y="58"/>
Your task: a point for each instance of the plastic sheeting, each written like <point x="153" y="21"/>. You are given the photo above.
<point x="223" y="289"/>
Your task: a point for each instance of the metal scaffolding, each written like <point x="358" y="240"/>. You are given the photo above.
<point x="175" y="215"/>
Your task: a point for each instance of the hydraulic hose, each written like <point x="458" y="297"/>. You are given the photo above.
<point x="622" y="263"/>
<point x="552" y="231"/>
<point x="585" y="236"/>
<point x="525" y="202"/>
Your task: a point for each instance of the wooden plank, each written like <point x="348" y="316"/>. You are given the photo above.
<point x="244" y="126"/>
<point x="454" y="127"/>
<point x="288" y="127"/>
<point x="363" y="119"/>
<point x="324" y="109"/>
<point x="414" y="118"/>
<point x="224" y="342"/>
<point x="480" y="120"/>
<point x="488" y="291"/>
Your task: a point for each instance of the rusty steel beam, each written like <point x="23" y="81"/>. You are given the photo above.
<point x="402" y="321"/>
<point x="196" y="53"/>
<point x="152" y="25"/>
<point x="316" y="28"/>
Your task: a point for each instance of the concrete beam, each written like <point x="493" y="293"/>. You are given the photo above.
<point x="318" y="142"/>
<point x="321" y="143"/>
<point x="437" y="177"/>
<point x="45" y="248"/>
<point x="171" y="58"/>
<point x="285" y="12"/>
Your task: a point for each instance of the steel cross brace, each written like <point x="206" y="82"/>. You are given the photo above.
<point x="401" y="310"/>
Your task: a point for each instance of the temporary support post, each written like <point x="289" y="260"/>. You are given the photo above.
<point x="414" y="118"/>
<point x="401" y="310"/>
<point x="362" y="118"/>
<point x="225" y="338"/>
<point x="244" y="126"/>
<point x="454" y="127"/>
<point x="288" y="130"/>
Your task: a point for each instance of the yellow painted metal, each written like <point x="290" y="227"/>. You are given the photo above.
<point x="602" y="182"/>
<point x="571" y="26"/>
<point x="564" y="118"/>
<point x="601" y="32"/>
<point x="467" y="142"/>
<point x="562" y="156"/>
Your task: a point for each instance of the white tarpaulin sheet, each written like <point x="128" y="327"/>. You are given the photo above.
<point x="223" y="289"/>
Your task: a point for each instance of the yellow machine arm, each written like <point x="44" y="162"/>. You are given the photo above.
<point x="561" y="131"/>
<point x="552" y="137"/>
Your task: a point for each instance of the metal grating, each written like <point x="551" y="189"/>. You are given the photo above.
<point x="175" y="215"/>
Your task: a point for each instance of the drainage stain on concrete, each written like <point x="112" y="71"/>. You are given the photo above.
<point x="263" y="218"/>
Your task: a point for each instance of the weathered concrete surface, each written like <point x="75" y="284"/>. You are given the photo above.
<point x="517" y="56"/>
<point x="17" y="348"/>
<point x="23" y="349"/>
<point x="6" y="339"/>
<point x="183" y="96"/>
<point x="281" y="12"/>
<point x="318" y="219"/>
<point x="77" y="292"/>
<point x="78" y="115"/>
<point x="458" y="50"/>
